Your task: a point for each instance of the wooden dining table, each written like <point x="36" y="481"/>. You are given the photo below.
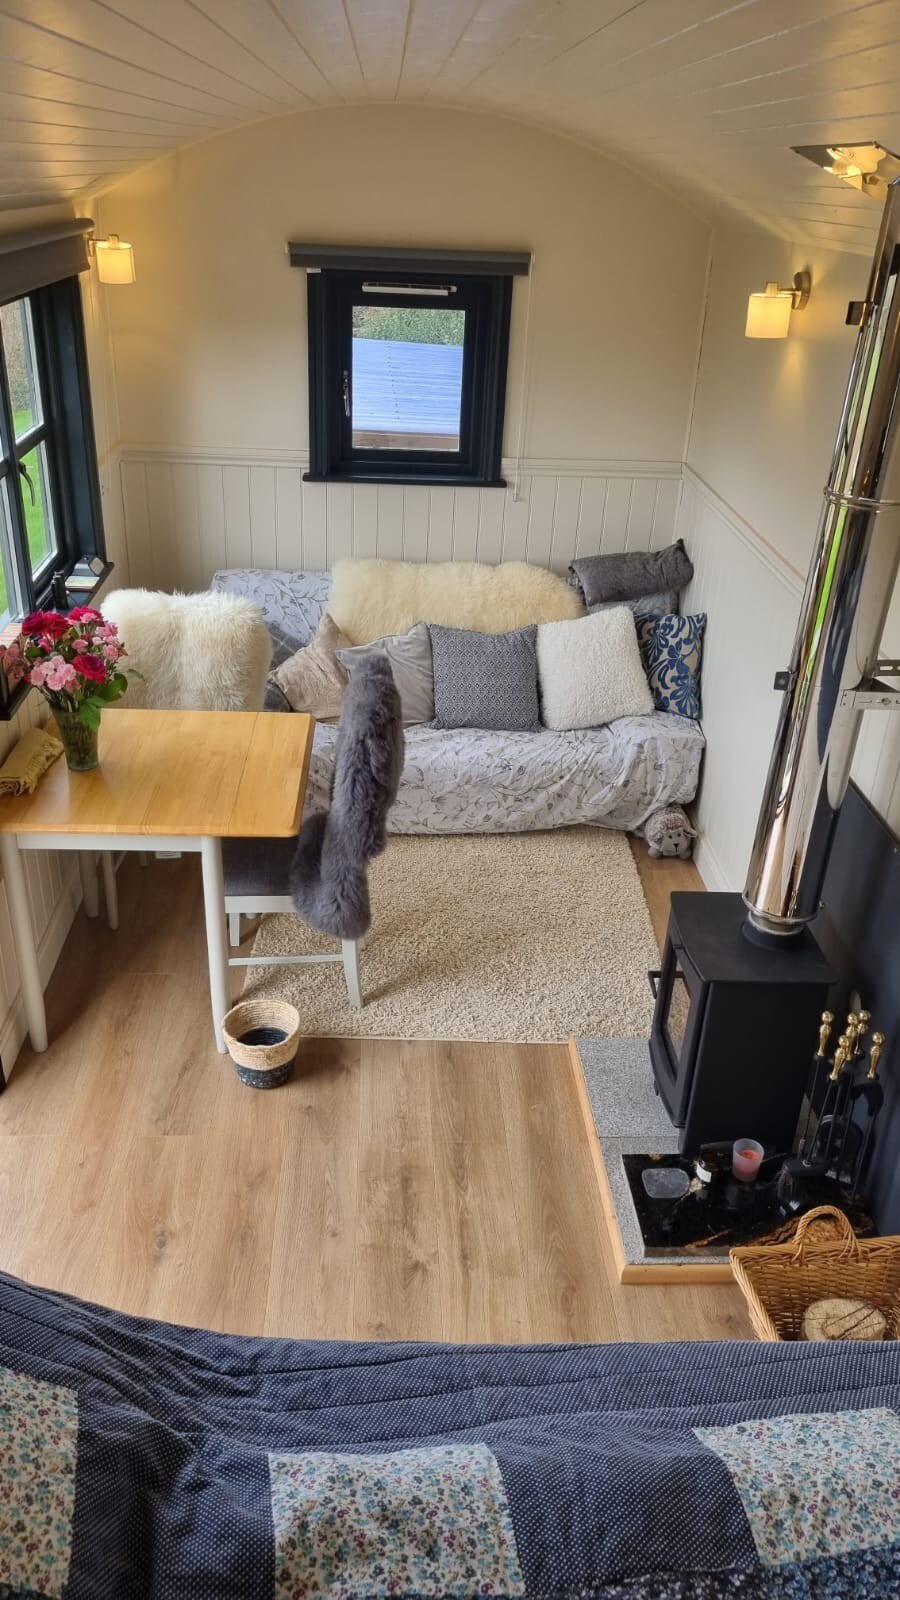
<point x="167" y="780"/>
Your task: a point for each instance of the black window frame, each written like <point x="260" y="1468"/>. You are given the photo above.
<point x="67" y="431"/>
<point x="486" y="299"/>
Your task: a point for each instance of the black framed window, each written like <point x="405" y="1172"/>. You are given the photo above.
<point x="50" y="516"/>
<point x="407" y="374"/>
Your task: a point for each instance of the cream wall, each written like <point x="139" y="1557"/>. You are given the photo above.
<point x="762" y="431"/>
<point x="210" y="341"/>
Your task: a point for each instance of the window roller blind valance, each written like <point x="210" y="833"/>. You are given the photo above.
<point x="39" y="256"/>
<point x="360" y="258"/>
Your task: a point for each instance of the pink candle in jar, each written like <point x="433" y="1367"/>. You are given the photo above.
<point x="746" y="1159"/>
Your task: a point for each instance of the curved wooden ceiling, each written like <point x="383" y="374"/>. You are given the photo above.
<point x="706" y="96"/>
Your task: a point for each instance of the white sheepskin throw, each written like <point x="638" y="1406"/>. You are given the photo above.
<point x="195" y="652"/>
<point x="590" y="671"/>
<point x="370" y="599"/>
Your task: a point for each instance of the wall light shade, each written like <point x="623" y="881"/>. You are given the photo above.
<point x="769" y="314"/>
<point x="115" y="260"/>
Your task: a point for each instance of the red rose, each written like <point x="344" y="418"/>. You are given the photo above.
<point x="90" y="667"/>
<point x="85" y="614"/>
<point x="45" y="624"/>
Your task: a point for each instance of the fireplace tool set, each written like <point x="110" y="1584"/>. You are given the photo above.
<point x="843" y="1099"/>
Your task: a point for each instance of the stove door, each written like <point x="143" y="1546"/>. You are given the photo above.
<point x="677" y="1020"/>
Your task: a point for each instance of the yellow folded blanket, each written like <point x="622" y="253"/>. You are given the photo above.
<point x="27" y="760"/>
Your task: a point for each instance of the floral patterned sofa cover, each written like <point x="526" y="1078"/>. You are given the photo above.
<point x="466" y="780"/>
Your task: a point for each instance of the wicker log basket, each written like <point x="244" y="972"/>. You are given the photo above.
<point x="781" y="1281"/>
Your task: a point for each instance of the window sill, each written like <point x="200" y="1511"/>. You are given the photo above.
<point x="12" y="700"/>
<point x="432" y="480"/>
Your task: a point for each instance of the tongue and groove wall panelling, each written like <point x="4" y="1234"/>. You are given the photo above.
<point x="185" y="518"/>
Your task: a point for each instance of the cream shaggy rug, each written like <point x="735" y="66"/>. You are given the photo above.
<point x="532" y="936"/>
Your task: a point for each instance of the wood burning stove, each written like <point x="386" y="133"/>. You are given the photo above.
<point x="732" y="1026"/>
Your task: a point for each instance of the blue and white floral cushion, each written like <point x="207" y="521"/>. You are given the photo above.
<point x="671" y="651"/>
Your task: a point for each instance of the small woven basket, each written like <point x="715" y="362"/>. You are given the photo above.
<point x="268" y="1060"/>
<point x="780" y="1281"/>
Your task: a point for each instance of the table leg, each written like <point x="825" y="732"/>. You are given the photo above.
<point x="23" y="934"/>
<point x="216" y="940"/>
<point x="90" y="892"/>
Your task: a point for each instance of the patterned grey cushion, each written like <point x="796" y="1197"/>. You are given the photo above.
<point x="485" y="680"/>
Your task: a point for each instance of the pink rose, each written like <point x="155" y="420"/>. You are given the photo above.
<point x="85" y="614"/>
<point x="37" y="674"/>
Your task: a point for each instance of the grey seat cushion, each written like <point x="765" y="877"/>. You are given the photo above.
<point x="485" y="680"/>
<point x="258" y="866"/>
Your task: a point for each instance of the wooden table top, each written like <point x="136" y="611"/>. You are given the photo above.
<point x="230" y="774"/>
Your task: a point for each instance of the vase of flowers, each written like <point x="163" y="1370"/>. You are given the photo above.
<point x="74" y="661"/>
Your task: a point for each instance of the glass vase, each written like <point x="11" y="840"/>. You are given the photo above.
<point x="78" y="741"/>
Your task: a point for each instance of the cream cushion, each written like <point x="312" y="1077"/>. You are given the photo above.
<point x="370" y="599"/>
<point x="590" y="671"/>
<point x="313" y="679"/>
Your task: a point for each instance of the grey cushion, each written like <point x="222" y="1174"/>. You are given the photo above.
<point x="664" y="604"/>
<point x="627" y="574"/>
<point x="485" y="680"/>
<point x="409" y="655"/>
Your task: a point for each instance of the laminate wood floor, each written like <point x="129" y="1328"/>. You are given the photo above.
<point x="413" y="1190"/>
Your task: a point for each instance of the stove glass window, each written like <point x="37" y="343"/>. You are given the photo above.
<point x="679" y="1011"/>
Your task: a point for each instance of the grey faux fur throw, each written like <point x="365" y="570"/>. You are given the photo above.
<point x="627" y="576"/>
<point x="329" y="882"/>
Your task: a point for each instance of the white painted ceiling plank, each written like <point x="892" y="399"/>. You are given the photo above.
<point x="321" y="27"/>
<point x="33" y="46"/>
<point x="261" y="33"/>
<point x="378" y="28"/>
<point x="139" y="36"/>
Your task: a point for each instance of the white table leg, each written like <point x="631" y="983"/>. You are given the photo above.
<point x="23" y="934"/>
<point x="216" y="941"/>
<point x="87" y="866"/>
<point x="110" y="891"/>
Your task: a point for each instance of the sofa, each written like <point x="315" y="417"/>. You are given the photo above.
<point x="475" y="781"/>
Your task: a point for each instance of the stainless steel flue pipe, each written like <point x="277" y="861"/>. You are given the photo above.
<point x="848" y="592"/>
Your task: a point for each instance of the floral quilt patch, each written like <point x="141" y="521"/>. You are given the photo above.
<point x="38" y="1448"/>
<point x="425" y="1522"/>
<point x="815" y="1486"/>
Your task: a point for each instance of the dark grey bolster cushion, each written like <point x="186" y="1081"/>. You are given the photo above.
<point x="631" y="574"/>
<point x="485" y="680"/>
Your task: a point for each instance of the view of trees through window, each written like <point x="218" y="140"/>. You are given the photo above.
<point x="409" y="324"/>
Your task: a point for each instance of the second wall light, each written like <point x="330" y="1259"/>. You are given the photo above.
<point x="769" y="313"/>
<point x="115" y="260"/>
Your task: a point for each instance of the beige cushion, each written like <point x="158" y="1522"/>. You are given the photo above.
<point x="313" y="679"/>
<point x="372" y="598"/>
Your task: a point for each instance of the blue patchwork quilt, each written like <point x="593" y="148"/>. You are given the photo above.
<point x="142" y="1460"/>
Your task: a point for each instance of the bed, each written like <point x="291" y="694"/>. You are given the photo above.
<point x="141" y="1459"/>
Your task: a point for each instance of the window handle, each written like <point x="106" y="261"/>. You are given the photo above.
<point x="345" y="390"/>
<point x="24" y="471"/>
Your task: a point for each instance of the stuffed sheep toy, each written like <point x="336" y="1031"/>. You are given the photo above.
<point x="669" y="833"/>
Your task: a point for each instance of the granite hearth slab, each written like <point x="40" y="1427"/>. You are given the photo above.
<point x="657" y="1241"/>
